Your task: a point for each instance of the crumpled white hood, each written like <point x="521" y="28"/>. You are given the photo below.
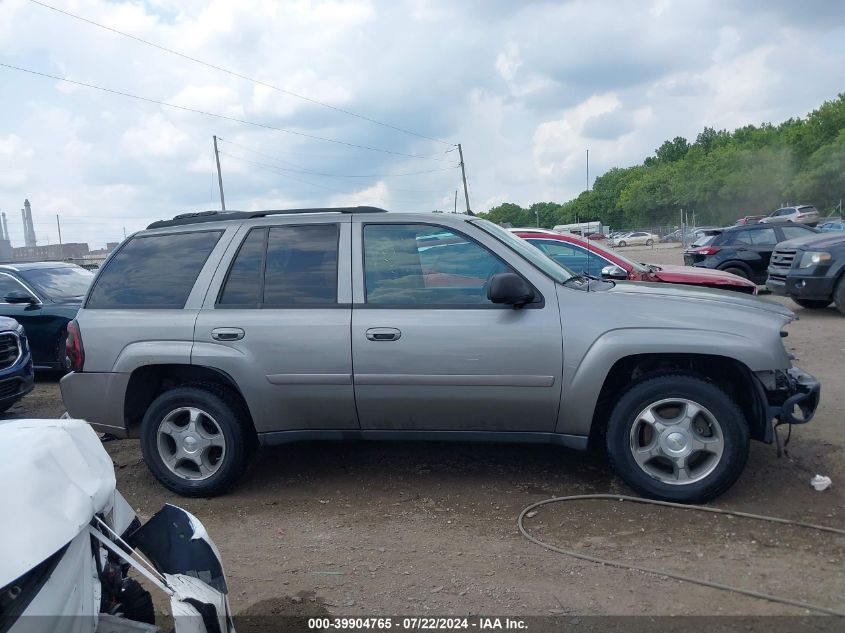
<point x="54" y="476"/>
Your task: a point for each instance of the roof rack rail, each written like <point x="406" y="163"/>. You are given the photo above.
<point x="222" y="216"/>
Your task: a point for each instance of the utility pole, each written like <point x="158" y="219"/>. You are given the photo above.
<point x="464" y="176"/>
<point x="455" y="208"/>
<point x="588" y="170"/>
<point x="59" y="226"/>
<point x="220" y="176"/>
<point x="124" y="232"/>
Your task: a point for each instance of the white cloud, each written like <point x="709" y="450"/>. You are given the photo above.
<point x="376" y="196"/>
<point x="154" y="137"/>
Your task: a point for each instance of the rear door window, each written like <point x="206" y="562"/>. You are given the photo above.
<point x="301" y="266"/>
<point x="764" y="236"/>
<point x="284" y="266"/>
<point x="153" y="271"/>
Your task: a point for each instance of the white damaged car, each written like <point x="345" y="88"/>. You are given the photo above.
<point x="68" y="540"/>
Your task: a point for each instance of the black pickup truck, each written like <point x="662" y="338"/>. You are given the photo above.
<point x="810" y="270"/>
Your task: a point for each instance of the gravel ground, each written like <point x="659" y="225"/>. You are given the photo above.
<point x="365" y="529"/>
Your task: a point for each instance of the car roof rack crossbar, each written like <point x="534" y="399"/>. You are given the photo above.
<point x="222" y="216"/>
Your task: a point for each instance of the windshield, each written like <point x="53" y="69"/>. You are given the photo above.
<point x="603" y="251"/>
<point x="59" y="284"/>
<point x="523" y="248"/>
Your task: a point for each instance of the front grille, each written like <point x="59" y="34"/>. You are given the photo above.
<point x="9" y="349"/>
<point x="781" y="278"/>
<point x="9" y="388"/>
<point x="783" y="257"/>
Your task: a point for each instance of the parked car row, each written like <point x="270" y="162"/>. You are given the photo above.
<point x="584" y="257"/>
<point x="635" y="238"/>
<point x="744" y="251"/>
<point x="37" y="301"/>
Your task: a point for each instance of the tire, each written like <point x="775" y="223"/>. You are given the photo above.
<point x="221" y="438"/>
<point x="739" y="272"/>
<point x="812" y="304"/>
<point x="622" y="244"/>
<point x="709" y="470"/>
<point x="839" y="295"/>
<point x="136" y="603"/>
<point x="649" y="242"/>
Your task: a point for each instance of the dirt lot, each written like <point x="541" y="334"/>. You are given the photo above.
<point x="431" y="529"/>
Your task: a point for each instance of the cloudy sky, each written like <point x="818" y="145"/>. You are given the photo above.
<point x="526" y="87"/>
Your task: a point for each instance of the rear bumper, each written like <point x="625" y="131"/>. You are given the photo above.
<point x="97" y="398"/>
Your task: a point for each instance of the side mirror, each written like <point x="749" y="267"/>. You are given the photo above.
<point x="614" y="272"/>
<point x="510" y="289"/>
<point x="19" y="296"/>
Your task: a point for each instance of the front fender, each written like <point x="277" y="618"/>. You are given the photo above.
<point x="583" y="381"/>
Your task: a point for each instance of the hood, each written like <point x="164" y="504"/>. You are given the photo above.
<point x="7" y="324"/>
<point x="54" y="477"/>
<point x="679" y="273"/>
<point x="814" y="241"/>
<point x="690" y="295"/>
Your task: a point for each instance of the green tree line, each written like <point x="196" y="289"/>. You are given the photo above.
<point x="721" y="176"/>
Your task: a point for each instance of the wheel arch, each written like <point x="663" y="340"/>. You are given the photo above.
<point x="146" y="383"/>
<point x="728" y="373"/>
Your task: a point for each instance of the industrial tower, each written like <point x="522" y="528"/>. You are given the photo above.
<point x="28" y="227"/>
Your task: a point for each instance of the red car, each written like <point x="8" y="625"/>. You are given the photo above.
<point x="579" y="256"/>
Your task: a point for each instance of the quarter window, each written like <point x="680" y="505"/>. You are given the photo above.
<point x="419" y="264"/>
<point x="153" y="271"/>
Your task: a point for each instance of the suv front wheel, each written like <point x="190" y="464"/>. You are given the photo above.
<point x="678" y="438"/>
<point x="194" y="440"/>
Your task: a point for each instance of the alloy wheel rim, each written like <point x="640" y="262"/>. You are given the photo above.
<point x="190" y="443"/>
<point x="676" y="441"/>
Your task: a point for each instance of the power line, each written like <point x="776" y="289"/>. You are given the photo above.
<point x="280" y="172"/>
<point x="301" y="169"/>
<point x="239" y="75"/>
<point x="219" y="116"/>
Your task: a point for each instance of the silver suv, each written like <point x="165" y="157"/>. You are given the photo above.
<point x="211" y="334"/>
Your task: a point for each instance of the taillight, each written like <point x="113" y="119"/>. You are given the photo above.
<point x="707" y="250"/>
<point x="73" y="347"/>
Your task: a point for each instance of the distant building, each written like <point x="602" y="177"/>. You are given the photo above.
<point x="95" y="258"/>
<point x="50" y="252"/>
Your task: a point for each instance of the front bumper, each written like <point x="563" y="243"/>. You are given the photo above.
<point x="799" y="286"/>
<point x="786" y="390"/>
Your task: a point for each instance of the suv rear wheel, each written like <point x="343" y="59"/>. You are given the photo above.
<point x="678" y="437"/>
<point x="194" y="440"/>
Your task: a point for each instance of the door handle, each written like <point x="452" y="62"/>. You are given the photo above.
<point x="383" y="334"/>
<point x="227" y="334"/>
